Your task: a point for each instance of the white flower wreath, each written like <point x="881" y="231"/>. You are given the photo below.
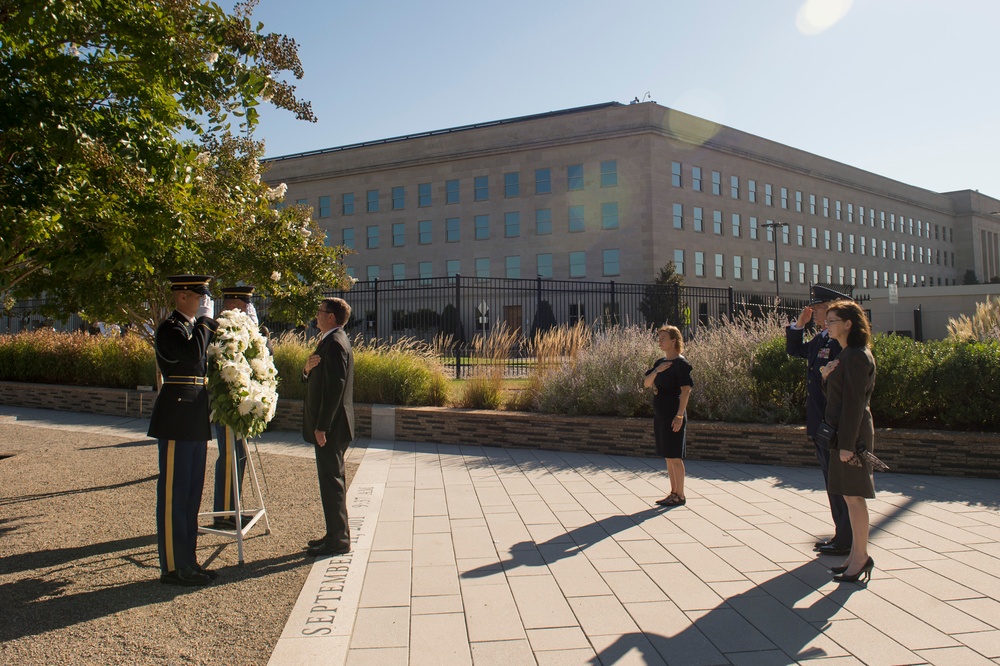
<point x="242" y="379"/>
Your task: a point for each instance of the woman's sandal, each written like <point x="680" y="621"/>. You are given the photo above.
<point x="673" y="499"/>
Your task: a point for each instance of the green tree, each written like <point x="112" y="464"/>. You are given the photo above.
<point x="101" y="198"/>
<point x="970" y="277"/>
<point x="661" y="302"/>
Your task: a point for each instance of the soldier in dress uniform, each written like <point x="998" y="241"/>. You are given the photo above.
<point x="180" y="423"/>
<point x="818" y="351"/>
<point x="233" y="298"/>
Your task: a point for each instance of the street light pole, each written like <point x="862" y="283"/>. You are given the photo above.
<point x="774" y="226"/>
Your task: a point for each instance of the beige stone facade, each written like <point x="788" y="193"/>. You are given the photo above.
<point x="614" y="192"/>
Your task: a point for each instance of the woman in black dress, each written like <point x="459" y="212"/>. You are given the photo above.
<point x="670" y="379"/>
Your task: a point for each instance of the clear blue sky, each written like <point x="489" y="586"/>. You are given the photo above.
<point x="908" y="89"/>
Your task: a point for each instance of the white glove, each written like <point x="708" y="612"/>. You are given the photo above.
<point x="206" y="307"/>
<point x="252" y="313"/>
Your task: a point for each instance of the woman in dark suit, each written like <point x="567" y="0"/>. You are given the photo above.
<point x="848" y="383"/>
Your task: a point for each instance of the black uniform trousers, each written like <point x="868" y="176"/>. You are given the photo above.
<point x="333" y="492"/>
<point x="224" y="499"/>
<point x="843" y="537"/>
<point x="178" y="500"/>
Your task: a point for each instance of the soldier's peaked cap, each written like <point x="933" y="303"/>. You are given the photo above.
<point x="196" y="283"/>
<point x="821" y="294"/>
<point x="238" y="293"/>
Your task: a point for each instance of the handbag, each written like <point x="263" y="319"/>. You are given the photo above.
<point x="826" y="435"/>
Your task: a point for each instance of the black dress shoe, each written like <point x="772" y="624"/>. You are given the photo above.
<point x="185" y="576"/>
<point x="212" y="575"/>
<point x="833" y="549"/>
<point x="316" y="542"/>
<point x="328" y="549"/>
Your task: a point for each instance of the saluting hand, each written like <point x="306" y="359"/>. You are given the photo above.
<point x="804" y="317"/>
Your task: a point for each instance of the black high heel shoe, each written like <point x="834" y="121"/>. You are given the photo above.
<point x="865" y="572"/>
<point x="838" y="570"/>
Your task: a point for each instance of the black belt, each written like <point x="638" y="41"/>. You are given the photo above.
<point x="187" y="381"/>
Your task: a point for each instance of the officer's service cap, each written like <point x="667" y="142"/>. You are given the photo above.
<point x="238" y="293"/>
<point x="196" y="283"/>
<point x="821" y="294"/>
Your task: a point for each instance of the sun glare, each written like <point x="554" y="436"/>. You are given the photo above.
<point x="815" y="16"/>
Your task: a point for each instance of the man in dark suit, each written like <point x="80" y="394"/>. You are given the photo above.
<point x="180" y="423"/>
<point x="328" y="420"/>
<point x="818" y="351"/>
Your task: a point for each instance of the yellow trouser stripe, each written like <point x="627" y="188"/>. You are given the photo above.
<point x="228" y="501"/>
<point x="168" y="509"/>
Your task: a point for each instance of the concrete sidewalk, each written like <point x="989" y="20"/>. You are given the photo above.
<point x="508" y="556"/>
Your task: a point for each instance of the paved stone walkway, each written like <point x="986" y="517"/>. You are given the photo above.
<point x="472" y="555"/>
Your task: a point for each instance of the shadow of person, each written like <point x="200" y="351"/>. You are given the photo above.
<point x="526" y="553"/>
<point x="778" y="621"/>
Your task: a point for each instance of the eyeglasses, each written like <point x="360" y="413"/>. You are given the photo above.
<point x="323" y="311"/>
<point x="833" y="321"/>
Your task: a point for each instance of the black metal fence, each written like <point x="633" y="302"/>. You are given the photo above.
<point x="464" y="307"/>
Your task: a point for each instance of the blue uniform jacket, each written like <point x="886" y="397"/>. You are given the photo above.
<point x="820" y="350"/>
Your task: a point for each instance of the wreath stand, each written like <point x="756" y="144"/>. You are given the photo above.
<point x="238" y="512"/>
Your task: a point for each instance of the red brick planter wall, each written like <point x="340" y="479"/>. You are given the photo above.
<point x="943" y="453"/>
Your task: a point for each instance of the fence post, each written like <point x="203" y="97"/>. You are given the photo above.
<point x="376" y="309"/>
<point x="614" y="310"/>
<point x="730" y="308"/>
<point x="538" y="299"/>
<point x="458" y="313"/>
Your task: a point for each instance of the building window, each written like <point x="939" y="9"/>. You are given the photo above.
<point x="398" y="198"/>
<point x="611" y="263"/>
<point x="850" y="213"/>
<point x="543" y="181"/>
<point x="324" y="206"/>
<point x="696" y="178"/>
<point x="800" y="235"/>
<point x="720" y="270"/>
<point x="752" y="191"/>
<point x="609" y="215"/>
<point x="398" y="234"/>
<point x="452" y="230"/>
<point x="577" y="264"/>
<point x="425" y="270"/>
<point x="543" y="262"/>
<point x="678" y="216"/>
<point x="576" y="222"/>
<point x="736" y="225"/>
<point x="836" y="209"/>
<point x="372" y="199"/>
<point x="798" y="201"/>
<point x="813" y="237"/>
<point x="679" y="262"/>
<point x="453" y="267"/>
<point x="850" y="243"/>
<point x="787" y="271"/>
<point x="675" y="174"/>
<point x="717" y="222"/>
<point x="513" y="267"/>
<point x="768" y="200"/>
<point x="512" y="185"/>
<point x="699" y="264"/>
<point x="347" y="237"/>
<point x="802" y="272"/>
<point x="717" y="183"/>
<point x="347" y="203"/>
<point x="481" y="188"/>
<point x="812" y="204"/>
<point x="512" y="224"/>
<point x="784" y="234"/>
<point x="755" y="269"/>
<point x="398" y="272"/>
<point x="372" y="273"/>
<point x="699" y="219"/>
<point x="784" y="198"/>
<point x="372" y="237"/>
<point x="754" y="233"/>
<point x="815" y="277"/>
<point x="609" y="173"/>
<point x="482" y="223"/>
<point x="424" y="195"/>
<point x="826" y="206"/>
<point x="826" y="239"/>
<point x="543" y="221"/>
<point x="424" y="232"/>
<point x="574" y="177"/>
<point x="302" y="202"/>
<point x="771" y="268"/>
<point x="734" y="187"/>
<point x="482" y="267"/>
<point x="451" y="192"/>
<point x="737" y="267"/>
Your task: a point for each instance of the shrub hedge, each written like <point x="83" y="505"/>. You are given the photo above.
<point x="740" y="375"/>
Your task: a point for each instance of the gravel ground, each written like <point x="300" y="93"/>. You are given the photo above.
<point x="79" y="575"/>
